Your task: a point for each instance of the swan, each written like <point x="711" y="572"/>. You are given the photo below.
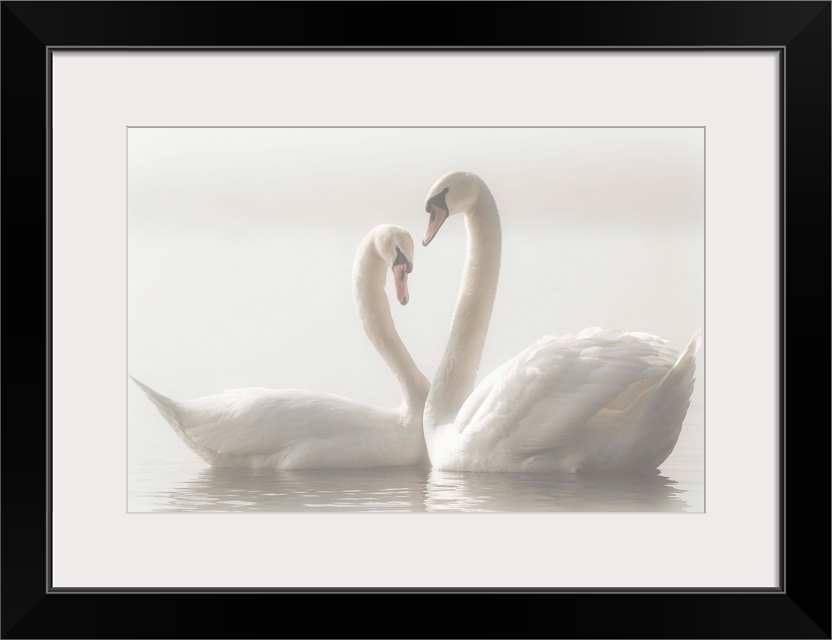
<point x="594" y="400"/>
<point x="298" y="429"/>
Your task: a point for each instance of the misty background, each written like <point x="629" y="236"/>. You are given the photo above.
<point x="241" y="243"/>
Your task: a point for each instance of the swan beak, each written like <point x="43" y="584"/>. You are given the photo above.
<point x="438" y="215"/>
<point x="400" y="277"/>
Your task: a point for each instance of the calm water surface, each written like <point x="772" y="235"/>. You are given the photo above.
<point x="165" y="476"/>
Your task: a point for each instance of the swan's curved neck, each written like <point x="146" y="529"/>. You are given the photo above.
<point x="369" y="274"/>
<point x="457" y="373"/>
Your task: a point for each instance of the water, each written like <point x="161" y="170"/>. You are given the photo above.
<point x="165" y="476"/>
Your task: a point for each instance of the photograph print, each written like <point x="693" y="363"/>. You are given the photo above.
<point x="422" y="320"/>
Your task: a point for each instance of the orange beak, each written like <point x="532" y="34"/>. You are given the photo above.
<point x="400" y="278"/>
<point x="438" y="215"/>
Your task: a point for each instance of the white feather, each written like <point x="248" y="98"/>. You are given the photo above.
<point x="605" y="400"/>
<point x="299" y="429"/>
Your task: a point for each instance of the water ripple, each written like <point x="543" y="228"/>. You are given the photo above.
<point x="185" y="485"/>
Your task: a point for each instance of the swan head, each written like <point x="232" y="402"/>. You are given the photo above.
<point x="455" y="192"/>
<point x="394" y="245"/>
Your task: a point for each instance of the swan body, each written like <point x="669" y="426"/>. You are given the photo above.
<point x="299" y="429"/>
<point x="595" y="400"/>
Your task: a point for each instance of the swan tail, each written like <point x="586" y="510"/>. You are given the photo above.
<point x="693" y="346"/>
<point x="173" y="414"/>
<point x="165" y="405"/>
<point x="666" y="411"/>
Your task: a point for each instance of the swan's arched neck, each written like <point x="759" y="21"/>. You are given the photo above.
<point x="369" y="275"/>
<point x="457" y="373"/>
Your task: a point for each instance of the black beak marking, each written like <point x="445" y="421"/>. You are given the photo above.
<point x="400" y="259"/>
<point x="439" y="201"/>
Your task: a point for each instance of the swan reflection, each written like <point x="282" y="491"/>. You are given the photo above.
<point x="461" y="492"/>
<point x="397" y="489"/>
<point x="416" y="489"/>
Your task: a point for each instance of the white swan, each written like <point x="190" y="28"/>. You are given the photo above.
<point x="604" y="400"/>
<point x="297" y="429"/>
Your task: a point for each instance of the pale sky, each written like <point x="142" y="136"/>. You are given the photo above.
<point x="241" y="242"/>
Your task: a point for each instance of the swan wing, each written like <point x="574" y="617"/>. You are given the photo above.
<point x="288" y="428"/>
<point x="641" y="428"/>
<point x="254" y="420"/>
<point x="536" y="404"/>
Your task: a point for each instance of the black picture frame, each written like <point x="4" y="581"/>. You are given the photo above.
<point x="799" y="608"/>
